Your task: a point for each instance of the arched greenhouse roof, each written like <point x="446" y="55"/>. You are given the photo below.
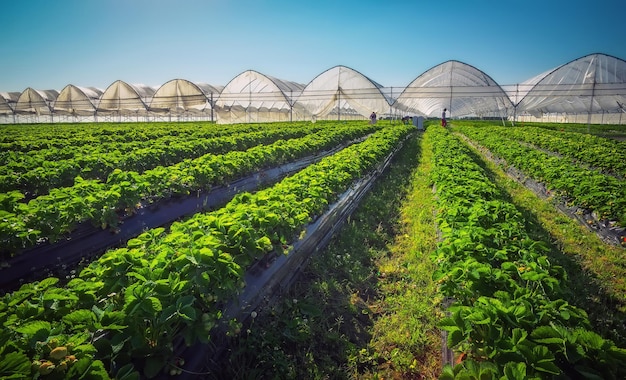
<point x="591" y="84"/>
<point x="180" y="95"/>
<point x="74" y="100"/>
<point x="37" y="102"/>
<point x="342" y="90"/>
<point x="123" y="98"/>
<point x="5" y="108"/>
<point x="460" y="88"/>
<point x="252" y="96"/>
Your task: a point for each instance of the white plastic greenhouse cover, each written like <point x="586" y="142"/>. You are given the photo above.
<point x="180" y="95"/>
<point x="339" y="91"/>
<point x="592" y="84"/>
<point x="37" y="102"/>
<point x="255" y="97"/>
<point x="5" y="108"/>
<point x="123" y="98"/>
<point x="74" y="100"/>
<point x="460" y="88"/>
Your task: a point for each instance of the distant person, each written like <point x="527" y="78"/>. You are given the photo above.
<point x="443" y="118"/>
<point x="373" y="118"/>
<point x="405" y="120"/>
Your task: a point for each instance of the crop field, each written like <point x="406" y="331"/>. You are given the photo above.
<point x="138" y="250"/>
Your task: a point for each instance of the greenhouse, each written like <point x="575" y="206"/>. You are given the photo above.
<point x="181" y="98"/>
<point x="460" y="88"/>
<point x="5" y="108"/>
<point x="342" y="93"/>
<point x="590" y="89"/>
<point x="33" y="103"/>
<point x="124" y="100"/>
<point x="255" y="97"/>
<point x="77" y="101"/>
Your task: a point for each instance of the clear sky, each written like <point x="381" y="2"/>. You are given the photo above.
<point x="48" y="44"/>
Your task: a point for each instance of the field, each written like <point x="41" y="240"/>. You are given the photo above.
<point x="505" y="243"/>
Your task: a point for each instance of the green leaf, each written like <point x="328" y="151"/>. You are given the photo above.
<point x="48" y="282"/>
<point x="479" y="318"/>
<point x="448" y="324"/>
<point x="15" y="365"/>
<point x="546" y="335"/>
<point x="156" y="304"/>
<point x="515" y="371"/>
<point x="33" y="327"/>
<point x="80" y="317"/>
<point x="113" y="320"/>
<point x="127" y="372"/>
<point x="548" y="367"/>
<point x="455" y="337"/>
<point x="97" y="371"/>
<point x="544" y="360"/>
<point x="447" y="373"/>
<point x="518" y="335"/>
<point x="188" y="313"/>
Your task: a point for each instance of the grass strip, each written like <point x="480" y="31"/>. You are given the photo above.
<point x="365" y="306"/>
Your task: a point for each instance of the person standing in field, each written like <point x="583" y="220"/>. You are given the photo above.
<point x="373" y="118"/>
<point x="443" y="118"/>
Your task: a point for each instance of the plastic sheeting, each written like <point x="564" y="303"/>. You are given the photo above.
<point x="179" y="96"/>
<point x="255" y="97"/>
<point x="125" y="99"/>
<point x="592" y="84"/>
<point x="74" y="100"/>
<point x="36" y="102"/>
<point x="592" y="87"/>
<point x="343" y="92"/>
<point x="458" y="87"/>
<point x="5" y="108"/>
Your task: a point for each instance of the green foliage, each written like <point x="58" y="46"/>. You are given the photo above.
<point x="508" y="315"/>
<point x="132" y="303"/>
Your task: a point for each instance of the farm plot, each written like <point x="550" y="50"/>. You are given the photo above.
<point x="508" y="316"/>
<point x="134" y="302"/>
<point x="593" y="183"/>
<point x="103" y="203"/>
<point x="366" y="307"/>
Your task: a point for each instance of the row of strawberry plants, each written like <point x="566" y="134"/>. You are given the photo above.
<point x="136" y="302"/>
<point x="508" y="318"/>
<point x="586" y="188"/>
<point x="51" y="216"/>
<point x="17" y="154"/>
<point x="41" y="175"/>
<point x="602" y="153"/>
<point x="31" y="137"/>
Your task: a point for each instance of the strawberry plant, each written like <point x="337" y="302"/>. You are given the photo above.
<point x="508" y="305"/>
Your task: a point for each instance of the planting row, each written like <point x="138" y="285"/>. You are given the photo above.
<point x="508" y="318"/>
<point x="49" y="217"/>
<point x="31" y="137"/>
<point x="49" y="169"/>
<point x="135" y="303"/>
<point x="586" y="188"/>
<point x="605" y="154"/>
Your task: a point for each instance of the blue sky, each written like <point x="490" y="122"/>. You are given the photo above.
<point x="49" y="44"/>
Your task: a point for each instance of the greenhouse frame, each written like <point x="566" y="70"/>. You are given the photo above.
<point x="590" y="89"/>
